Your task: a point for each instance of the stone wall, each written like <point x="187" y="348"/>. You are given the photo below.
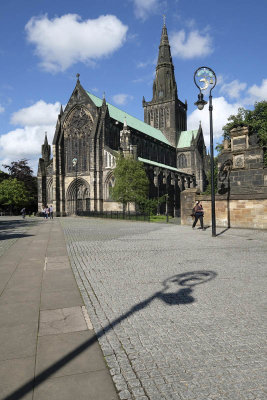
<point x="235" y="212"/>
<point x="115" y="206"/>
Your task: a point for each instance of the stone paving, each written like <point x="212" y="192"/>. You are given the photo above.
<point x="181" y="312"/>
<point x="11" y="229"/>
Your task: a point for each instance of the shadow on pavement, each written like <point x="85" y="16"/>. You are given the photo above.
<point x="222" y="232"/>
<point x="13" y="236"/>
<point x="8" y="228"/>
<point x="183" y="296"/>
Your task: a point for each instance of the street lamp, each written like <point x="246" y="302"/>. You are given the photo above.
<point x="74" y="163"/>
<point x="205" y="78"/>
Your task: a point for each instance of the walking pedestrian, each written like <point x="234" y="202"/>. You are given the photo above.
<point x="23" y="212"/>
<point x="199" y="214"/>
<point x="51" y="212"/>
<point x="43" y="212"/>
<point x="46" y="212"/>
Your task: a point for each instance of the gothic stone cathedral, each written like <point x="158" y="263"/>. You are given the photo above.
<point x="93" y="131"/>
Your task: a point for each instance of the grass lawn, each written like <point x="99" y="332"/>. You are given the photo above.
<point x="159" y="218"/>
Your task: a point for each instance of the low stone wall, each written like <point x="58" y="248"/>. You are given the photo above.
<point x="114" y="206"/>
<point x="236" y="212"/>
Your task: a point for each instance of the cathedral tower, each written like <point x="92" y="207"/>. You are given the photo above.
<point x="165" y="111"/>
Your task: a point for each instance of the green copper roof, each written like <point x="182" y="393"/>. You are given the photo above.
<point x="132" y="122"/>
<point x="156" y="164"/>
<point x="186" y="138"/>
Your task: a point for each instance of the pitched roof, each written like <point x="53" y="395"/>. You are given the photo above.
<point x="132" y="122"/>
<point x="186" y="138"/>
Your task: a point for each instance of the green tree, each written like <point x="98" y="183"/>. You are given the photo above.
<point x="23" y="173"/>
<point x="131" y="182"/>
<point x="255" y="119"/>
<point x="147" y="206"/>
<point x="3" y="175"/>
<point x="13" y="194"/>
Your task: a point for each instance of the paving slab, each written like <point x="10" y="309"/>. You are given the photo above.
<point x="58" y="280"/>
<point x="53" y="347"/>
<point x="18" y="341"/>
<point x="20" y="295"/>
<point x="13" y="314"/>
<point x="22" y="369"/>
<point x="62" y="299"/>
<point x="93" y="385"/>
<point x="62" y="320"/>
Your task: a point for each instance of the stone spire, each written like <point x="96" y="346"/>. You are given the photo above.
<point x="46" y="150"/>
<point x="164" y="87"/>
<point x="165" y="111"/>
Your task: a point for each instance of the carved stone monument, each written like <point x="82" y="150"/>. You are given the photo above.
<point x="243" y="159"/>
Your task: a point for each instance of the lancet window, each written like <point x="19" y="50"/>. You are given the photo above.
<point x="78" y="127"/>
<point x="182" y="161"/>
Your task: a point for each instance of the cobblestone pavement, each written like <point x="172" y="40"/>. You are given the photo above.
<point x="182" y="311"/>
<point x="13" y="228"/>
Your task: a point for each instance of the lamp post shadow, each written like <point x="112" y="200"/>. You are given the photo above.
<point x="181" y="296"/>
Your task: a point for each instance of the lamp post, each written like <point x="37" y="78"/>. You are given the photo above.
<point x="205" y="78"/>
<point x="75" y="165"/>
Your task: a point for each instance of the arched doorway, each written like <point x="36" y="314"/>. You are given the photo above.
<point x="78" y="196"/>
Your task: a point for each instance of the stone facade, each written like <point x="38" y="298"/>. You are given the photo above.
<point x="90" y="133"/>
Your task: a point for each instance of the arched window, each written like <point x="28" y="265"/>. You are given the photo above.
<point x="110" y="191"/>
<point x="182" y="161"/>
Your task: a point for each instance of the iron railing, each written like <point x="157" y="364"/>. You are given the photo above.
<point x="115" y="215"/>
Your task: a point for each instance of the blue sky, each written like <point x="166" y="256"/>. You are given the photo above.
<point x="113" y="44"/>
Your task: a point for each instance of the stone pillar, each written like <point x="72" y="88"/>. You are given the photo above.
<point x="188" y="200"/>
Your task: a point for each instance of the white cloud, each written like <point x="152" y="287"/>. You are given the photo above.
<point x="257" y="93"/>
<point x="193" y="45"/>
<point x="233" y="89"/>
<point x="2" y="109"/>
<point x="63" y="41"/>
<point x="26" y="141"/>
<point x="190" y="23"/>
<point x="142" y="64"/>
<point x="121" y="98"/>
<point x="221" y="112"/>
<point x="143" y="8"/>
<point x="40" y="113"/>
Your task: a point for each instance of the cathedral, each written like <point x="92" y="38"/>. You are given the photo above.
<point x="90" y="133"/>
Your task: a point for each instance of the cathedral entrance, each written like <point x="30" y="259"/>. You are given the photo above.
<point x="78" y="196"/>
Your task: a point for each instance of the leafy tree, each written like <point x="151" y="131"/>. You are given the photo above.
<point x="13" y="194"/>
<point x="3" y="175"/>
<point x="131" y="182"/>
<point x="255" y="119"/>
<point x="149" y="206"/>
<point x="23" y="173"/>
